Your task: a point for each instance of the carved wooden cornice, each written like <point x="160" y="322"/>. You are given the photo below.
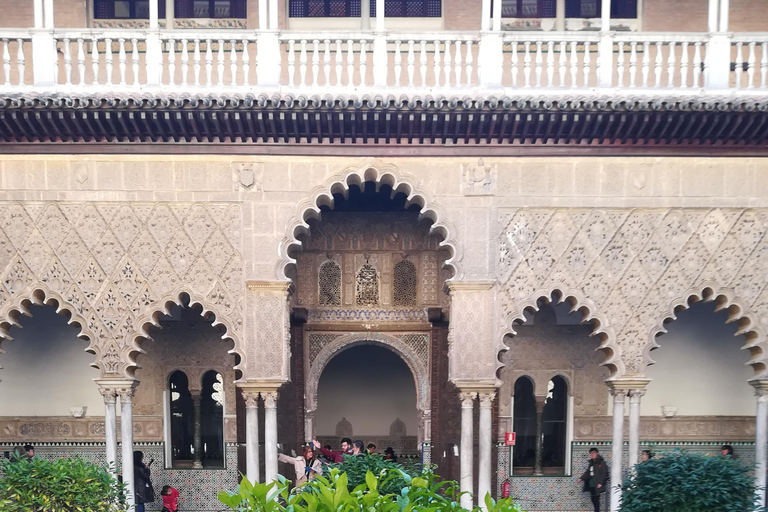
<point x="269" y="286"/>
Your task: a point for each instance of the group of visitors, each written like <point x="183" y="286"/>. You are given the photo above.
<point x="308" y="465"/>
<point x="22" y="452"/>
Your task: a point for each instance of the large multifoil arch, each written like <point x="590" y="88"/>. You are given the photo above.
<point x="380" y="174"/>
<point x="591" y="314"/>
<point x="150" y="317"/>
<point x="725" y="299"/>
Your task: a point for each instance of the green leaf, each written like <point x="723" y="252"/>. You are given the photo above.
<point x="371" y="480"/>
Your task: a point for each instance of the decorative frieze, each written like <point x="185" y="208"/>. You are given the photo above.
<point x="679" y="428"/>
<point x="65" y="429"/>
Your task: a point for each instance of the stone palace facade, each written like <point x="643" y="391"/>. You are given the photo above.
<point x="148" y="170"/>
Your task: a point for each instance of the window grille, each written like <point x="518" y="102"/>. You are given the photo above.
<point x="139" y="9"/>
<point x="404" y="284"/>
<point x="351" y="8"/>
<point x="329" y="284"/>
<point x="592" y="8"/>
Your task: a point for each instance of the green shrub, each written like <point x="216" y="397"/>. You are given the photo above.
<point x="357" y="467"/>
<point x="331" y="493"/>
<point x="689" y="482"/>
<point x="65" y="485"/>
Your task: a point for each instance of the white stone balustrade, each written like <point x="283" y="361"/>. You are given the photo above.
<point x="377" y="62"/>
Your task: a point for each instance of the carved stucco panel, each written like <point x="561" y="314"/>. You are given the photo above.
<point x="268" y="331"/>
<point x="472" y="347"/>
<point x="630" y="268"/>
<point x="113" y="265"/>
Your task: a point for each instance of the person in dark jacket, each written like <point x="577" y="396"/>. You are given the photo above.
<point x="141" y="481"/>
<point x="595" y="477"/>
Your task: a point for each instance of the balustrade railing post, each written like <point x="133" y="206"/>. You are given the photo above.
<point x="380" y="60"/>
<point x="490" y="59"/>
<point x="268" y="59"/>
<point x="605" y="62"/>
<point x="717" y="68"/>
<point x="154" y="59"/>
<point x="44" y="57"/>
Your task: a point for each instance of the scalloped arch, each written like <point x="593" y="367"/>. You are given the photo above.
<point x="738" y="311"/>
<point x="380" y="174"/>
<point x="579" y="303"/>
<point x="40" y="295"/>
<point x="342" y="343"/>
<point x="150" y="316"/>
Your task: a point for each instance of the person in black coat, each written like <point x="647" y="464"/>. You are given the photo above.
<point x="141" y="480"/>
<point x="595" y="477"/>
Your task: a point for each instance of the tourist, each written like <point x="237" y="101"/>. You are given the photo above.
<point x="170" y="499"/>
<point x="371" y="449"/>
<point x="646" y="456"/>
<point x="141" y="480"/>
<point x="595" y="477"/>
<point x="306" y="465"/>
<point x="18" y="454"/>
<point x="336" y="457"/>
<point x="358" y="448"/>
<point x="30" y="450"/>
<point x="389" y="454"/>
<point x="727" y="451"/>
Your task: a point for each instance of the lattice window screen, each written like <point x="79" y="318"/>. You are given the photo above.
<point x="329" y="284"/>
<point x="367" y="286"/>
<point x="404" y="284"/>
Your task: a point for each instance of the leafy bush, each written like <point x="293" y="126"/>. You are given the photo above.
<point x="689" y="482"/>
<point x="357" y="467"/>
<point x="65" y="485"/>
<point x="331" y="494"/>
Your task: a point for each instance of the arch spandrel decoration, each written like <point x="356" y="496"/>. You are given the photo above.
<point x="632" y="264"/>
<point x="107" y="262"/>
<point x="381" y="174"/>
<point x="393" y="343"/>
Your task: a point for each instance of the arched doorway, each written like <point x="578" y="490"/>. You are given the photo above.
<point x="368" y="392"/>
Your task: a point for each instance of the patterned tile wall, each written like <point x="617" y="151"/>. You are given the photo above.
<point x="197" y="488"/>
<point x="563" y="493"/>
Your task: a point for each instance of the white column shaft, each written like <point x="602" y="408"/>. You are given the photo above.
<point x="110" y="430"/>
<point x="484" y="448"/>
<point x="270" y="437"/>
<point x="497" y="16"/>
<point x="634" y="428"/>
<point x="560" y="15"/>
<point x="605" y="16"/>
<point x="725" y="8"/>
<point x="712" y="15"/>
<point x="365" y="14"/>
<point x="126" y="438"/>
<point x="170" y="14"/>
<point x="153" y="14"/>
<point x="38" y="12"/>
<point x="252" y="441"/>
<point x="617" y="449"/>
<point x="273" y="15"/>
<point x="761" y="447"/>
<point x="380" y="13"/>
<point x="485" y="12"/>
<point x="466" y="452"/>
<point x="263" y="15"/>
<point x="48" y="13"/>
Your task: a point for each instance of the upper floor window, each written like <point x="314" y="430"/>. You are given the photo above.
<point x="139" y="9"/>
<point x="404" y="284"/>
<point x="573" y="8"/>
<point x="351" y="8"/>
<point x="329" y="284"/>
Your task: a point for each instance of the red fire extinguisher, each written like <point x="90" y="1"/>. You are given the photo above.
<point x="506" y="489"/>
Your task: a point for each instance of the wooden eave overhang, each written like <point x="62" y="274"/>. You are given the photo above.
<point x="429" y="123"/>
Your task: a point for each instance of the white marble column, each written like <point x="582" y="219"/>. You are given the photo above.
<point x="605" y="16"/>
<point x="110" y="426"/>
<point x="197" y="431"/>
<point x="634" y="425"/>
<point x="270" y="436"/>
<point x="761" y="440"/>
<point x="617" y="447"/>
<point x="485" y="445"/>
<point x="38" y="13"/>
<point x="466" y="451"/>
<point x="126" y="438"/>
<point x="251" y="435"/>
<point x="725" y="8"/>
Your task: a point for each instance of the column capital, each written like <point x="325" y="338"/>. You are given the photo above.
<point x="761" y="387"/>
<point x="126" y="395"/>
<point x="110" y="388"/>
<point x="486" y="399"/>
<point x="541" y="401"/>
<point x="270" y="399"/>
<point x="636" y="394"/>
<point x="251" y="399"/>
<point x="627" y="386"/>
<point x="467" y="399"/>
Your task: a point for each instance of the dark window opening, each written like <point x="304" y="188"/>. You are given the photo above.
<point x="351" y="8"/>
<point x="554" y="425"/>
<point x="212" y="419"/>
<point x="139" y="9"/>
<point x="528" y="8"/>
<point x="182" y="420"/>
<point x="592" y="8"/>
<point x="524" y="425"/>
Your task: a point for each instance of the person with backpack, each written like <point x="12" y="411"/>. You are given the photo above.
<point x="595" y="477"/>
<point x="141" y="481"/>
